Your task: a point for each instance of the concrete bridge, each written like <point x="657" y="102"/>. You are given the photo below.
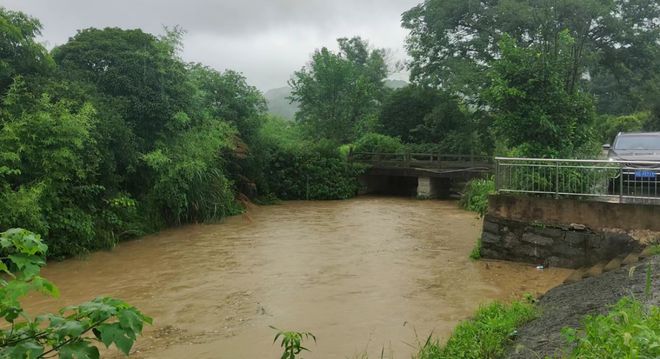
<point x="426" y="175"/>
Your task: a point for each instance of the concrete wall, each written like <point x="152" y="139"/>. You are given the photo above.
<point x="593" y="214"/>
<point x="561" y="232"/>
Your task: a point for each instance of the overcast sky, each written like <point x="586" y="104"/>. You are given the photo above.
<point x="266" y="40"/>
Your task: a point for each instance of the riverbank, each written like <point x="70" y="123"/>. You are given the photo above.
<point x="567" y="305"/>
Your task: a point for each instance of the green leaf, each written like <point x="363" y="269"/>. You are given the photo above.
<point x="130" y="319"/>
<point x="26" y="349"/>
<point x="68" y="328"/>
<point x="79" y="350"/>
<point x="28" y="265"/>
<point x="45" y="286"/>
<point x="3" y="268"/>
<point x="114" y="333"/>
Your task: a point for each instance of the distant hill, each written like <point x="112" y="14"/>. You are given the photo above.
<point x="279" y="105"/>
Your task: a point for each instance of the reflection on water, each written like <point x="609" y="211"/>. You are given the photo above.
<point x="363" y="275"/>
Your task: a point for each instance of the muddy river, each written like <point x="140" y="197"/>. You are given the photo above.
<point x="366" y="276"/>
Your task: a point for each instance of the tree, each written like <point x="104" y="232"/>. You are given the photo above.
<point x="227" y="96"/>
<point x="340" y="93"/>
<point x="139" y="72"/>
<point x="451" y="128"/>
<point x="20" y="53"/>
<point x="537" y="111"/>
<point x="48" y="164"/>
<point x="453" y="43"/>
<point x="404" y="110"/>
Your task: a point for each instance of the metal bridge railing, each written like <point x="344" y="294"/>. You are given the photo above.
<point x="412" y="159"/>
<point x="603" y="179"/>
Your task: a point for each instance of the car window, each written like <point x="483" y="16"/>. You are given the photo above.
<point x="638" y="143"/>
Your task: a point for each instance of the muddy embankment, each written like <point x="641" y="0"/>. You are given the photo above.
<point x="566" y="305"/>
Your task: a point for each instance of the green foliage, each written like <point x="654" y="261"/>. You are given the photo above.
<point x="294" y="168"/>
<point x="374" y="142"/>
<point x="20" y="53"/>
<point x="453" y="43"/>
<point x="475" y="254"/>
<point x="291" y="342"/>
<point x="475" y="196"/>
<point x="405" y="109"/>
<point x="189" y="184"/>
<point x="629" y="330"/>
<point x="537" y="109"/>
<point x="117" y="136"/>
<point x="425" y="117"/>
<point x="149" y="85"/>
<point x="486" y="336"/>
<point x="67" y="333"/>
<point x="313" y="172"/>
<point x="608" y="127"/>
<point x="339" y="93"/>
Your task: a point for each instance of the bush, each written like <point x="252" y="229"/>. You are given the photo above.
<point x="476" y="251"/>
<point x="608" y="127"/>
<point x="293" y="168"/>
<point x="485" y="336"/>
<point x="475" y="198"/>
<point x="190" y="182"/>
<point x="75" y="331"/>
<point x="314" y="172"/>
<point x="629" y="331"/>
<point x="374" y="142"/>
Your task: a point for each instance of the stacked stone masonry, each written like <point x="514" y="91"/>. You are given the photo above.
<point x="568" y="246"/>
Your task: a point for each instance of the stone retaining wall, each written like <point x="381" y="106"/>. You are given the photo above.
<point x="543" y="241"/>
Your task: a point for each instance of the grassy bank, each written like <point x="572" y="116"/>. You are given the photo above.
<point x="629" y="330"/>
<point x="484" y="336"/>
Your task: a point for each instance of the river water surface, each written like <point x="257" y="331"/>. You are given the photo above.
<point x="366" y="276"/>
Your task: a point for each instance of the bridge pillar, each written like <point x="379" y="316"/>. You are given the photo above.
<point x="426" y="188"/>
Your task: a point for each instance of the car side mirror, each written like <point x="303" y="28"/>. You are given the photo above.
<point x="607" y="147"/>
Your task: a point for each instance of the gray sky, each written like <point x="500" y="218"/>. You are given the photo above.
<point x="266" y="40"/>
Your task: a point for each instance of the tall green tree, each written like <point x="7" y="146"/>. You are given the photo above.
<point x="538" y="113"/>
<point x="453" y="43"/>
<point x="48" y="165"/>
<point x="140" y="73"/>
<point x="340" y="93"/>
<point x="20" y="53"/>
<point x="404" y="110"/>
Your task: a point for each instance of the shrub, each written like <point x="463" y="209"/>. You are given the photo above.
<point x="476" y="251"/>
<point x="475" y="198"/>
<point x="608" y="127"/>
<point x="485" y="336"/>
<point x="374" y="142"/>
<point x="72" y="333"/>
<point x="629" y="331"/>
<point x="314" y="172"/>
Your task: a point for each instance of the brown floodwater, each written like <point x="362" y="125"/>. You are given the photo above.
<point x="366" y="276"/>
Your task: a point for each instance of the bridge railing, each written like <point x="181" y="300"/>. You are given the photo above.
<point x="601" y="179"/>
<point x="413" y="159"/>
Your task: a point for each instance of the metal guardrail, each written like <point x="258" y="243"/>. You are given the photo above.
<point x="603" y="179"/>
<point x="412" y="159"/>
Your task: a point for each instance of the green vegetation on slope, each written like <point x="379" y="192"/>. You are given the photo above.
<point x="112" y="135"/>
<point x="485" y="336"/>
<point x="630" y="330"/>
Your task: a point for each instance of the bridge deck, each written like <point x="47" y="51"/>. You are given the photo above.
<point x="424" y="164"/>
